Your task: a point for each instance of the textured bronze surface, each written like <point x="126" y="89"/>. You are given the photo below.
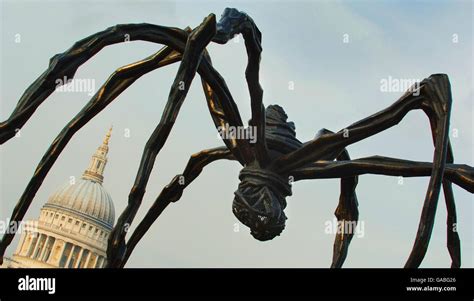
<point x="270" y="163"/>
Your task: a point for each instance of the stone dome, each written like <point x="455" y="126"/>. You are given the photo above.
<point x="85" y="198"/>
<point x="74" y="224"/>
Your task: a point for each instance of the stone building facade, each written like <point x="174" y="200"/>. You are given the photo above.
<point x="74" y="224"/>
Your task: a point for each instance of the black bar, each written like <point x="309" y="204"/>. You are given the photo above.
<point x="243" y="282"/>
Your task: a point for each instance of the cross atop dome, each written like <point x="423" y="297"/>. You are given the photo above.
<point x="107" y="136"/>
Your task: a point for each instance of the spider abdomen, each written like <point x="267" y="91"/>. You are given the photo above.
<point x="280" y="134"/>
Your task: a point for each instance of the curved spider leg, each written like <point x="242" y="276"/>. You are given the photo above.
<point x="224" y="113"/>
<point x="173" y="37"/>
<point x="437" y="106"/>
<point x="459" y="174"/>
<point x="198" y="39"/>
<point x="116" y="83"/>
<point x="453" y="241"/>
<point x="234" y="22"/>
<point x="63" y="66"/>
<point x="171" y="193"/>
<point x="347" y="213"/>
<point x="348" y="205"/>
<point x="434" y="98"/>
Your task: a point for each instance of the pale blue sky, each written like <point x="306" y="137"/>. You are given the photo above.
<point x="335" y="84"/>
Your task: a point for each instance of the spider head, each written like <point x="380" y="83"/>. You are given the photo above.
<point x="259" y="202"/>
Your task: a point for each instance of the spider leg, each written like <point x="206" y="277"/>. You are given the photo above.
<point x="453" y="241"/>
<point x="346" y="211"/>
<point x="65" y="65"/>
<point x="460" y="174"/>
<point x="328" y="143"/>
<point x="170" y="194"/>
<point x="173" y="37"/>
<point x="224" y="113"/>
<point x="434" y="98"/>
<point x="197" y="41"/>
<point x="437" y="106"/>
<point x="234" y="22"/>
<point x="347" y="214"/>
<point x="117" y="83"/>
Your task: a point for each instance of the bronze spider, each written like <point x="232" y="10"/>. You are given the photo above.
<point x="271" y="164"/>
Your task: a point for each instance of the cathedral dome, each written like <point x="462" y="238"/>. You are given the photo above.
<point x="86" y="197"/>
<point x="74" y="225"/>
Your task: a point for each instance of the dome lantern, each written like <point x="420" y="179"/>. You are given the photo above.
<point x="95" y="171"/>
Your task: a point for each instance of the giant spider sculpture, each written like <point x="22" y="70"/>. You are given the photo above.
<point x="271" y="164"/>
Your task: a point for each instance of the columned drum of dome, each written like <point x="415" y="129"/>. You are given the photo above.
<point x="74" y="224"/>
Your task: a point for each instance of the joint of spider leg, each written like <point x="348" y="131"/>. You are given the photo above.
<point x="54" y="60"/>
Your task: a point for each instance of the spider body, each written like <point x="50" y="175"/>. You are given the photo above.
<point x="260" y="201"/>
<point x="268" y="164"/>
